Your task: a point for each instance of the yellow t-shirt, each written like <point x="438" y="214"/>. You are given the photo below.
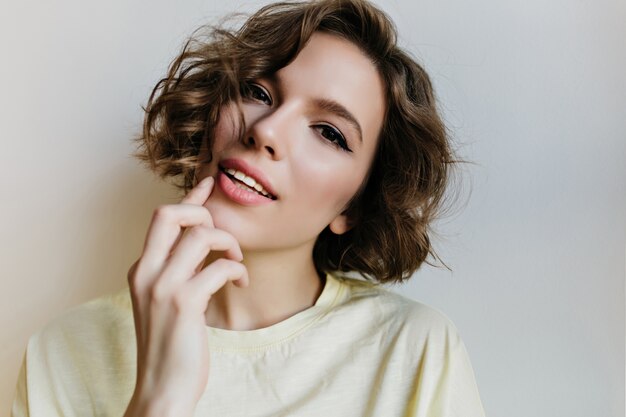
<point x="361" y="350"/>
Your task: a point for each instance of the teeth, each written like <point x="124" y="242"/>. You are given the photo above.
<point x="249" y="181"/>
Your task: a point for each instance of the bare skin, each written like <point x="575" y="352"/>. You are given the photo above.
<point x="313" y="177"/>
<point x="211" y="261"/>
<point x="169" y="307"/>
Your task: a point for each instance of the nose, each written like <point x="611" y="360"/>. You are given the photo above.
<point x="269" y="134"/>
<point x="270" y="149"/>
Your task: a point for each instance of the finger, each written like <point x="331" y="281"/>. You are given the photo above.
<point x="192" y="249"/>
<point x="200" y="193"/>
<point x="197" y="292"/>
<point x="165" y="230"/>
<point x="197" y="196"/>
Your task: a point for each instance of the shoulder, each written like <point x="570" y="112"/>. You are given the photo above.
<point x="416" y="320"/>
<point x="111" y="309"/>
<point x="87" y="328"/>
<point x="428" y="347"/>
<point x="87" y="352"/>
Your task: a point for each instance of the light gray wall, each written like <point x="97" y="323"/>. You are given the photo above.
<point x="536" y="93"/>
<point x="533" y="91"/>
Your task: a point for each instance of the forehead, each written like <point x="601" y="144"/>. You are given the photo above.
<point x="332" y="68"/>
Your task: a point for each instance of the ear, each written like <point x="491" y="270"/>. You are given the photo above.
<point x="340" y="224"/>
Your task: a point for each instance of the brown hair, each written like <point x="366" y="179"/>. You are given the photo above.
<point x="395" y="206"/>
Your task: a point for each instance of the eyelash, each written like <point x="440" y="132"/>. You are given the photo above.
<point x="250" y="89"/>
<point x="339" y="140"/>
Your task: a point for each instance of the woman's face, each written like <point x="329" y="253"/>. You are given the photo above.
<point x="311" y="131"/>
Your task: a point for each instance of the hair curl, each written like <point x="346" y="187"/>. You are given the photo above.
<point x="403" y="193"/>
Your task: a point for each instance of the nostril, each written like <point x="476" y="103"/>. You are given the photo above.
<point x="249" y="141"/>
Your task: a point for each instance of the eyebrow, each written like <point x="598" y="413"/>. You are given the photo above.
<point x="328" y="105"/>
<point x="332" y="106"/>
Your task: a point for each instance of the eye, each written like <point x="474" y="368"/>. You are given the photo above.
<point x="334" y="136"/>
<point x="255" y="92"/>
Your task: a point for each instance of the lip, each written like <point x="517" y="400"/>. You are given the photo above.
<point x="249" y="170"/>
<point x="239" y="195"/>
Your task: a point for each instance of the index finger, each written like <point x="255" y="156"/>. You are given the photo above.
<point x="166" y="227"/>
<point x="200" y="193"/>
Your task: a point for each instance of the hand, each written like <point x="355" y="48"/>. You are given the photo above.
<point x="170" y="291"/>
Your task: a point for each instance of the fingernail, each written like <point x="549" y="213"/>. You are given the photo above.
<point x="206" y="182"/>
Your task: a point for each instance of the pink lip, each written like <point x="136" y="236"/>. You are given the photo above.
<point x="237" y="194"/>
<point x="241" y="165"/>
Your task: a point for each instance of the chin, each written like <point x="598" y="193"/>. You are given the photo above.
<point x="225" y="219"/>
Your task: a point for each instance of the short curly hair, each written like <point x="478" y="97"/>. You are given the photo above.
<point x="403" y="193"/>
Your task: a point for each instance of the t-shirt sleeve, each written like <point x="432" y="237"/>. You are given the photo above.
<point x="79" y="364"/>
<point x="39" y="388"/>
<point x="444" y="384"/>
<point x="20" y="401"/>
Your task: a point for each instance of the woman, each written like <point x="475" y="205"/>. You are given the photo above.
<point x="307" y="144"/>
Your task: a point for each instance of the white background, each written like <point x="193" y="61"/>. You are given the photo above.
<point x="535" y="95"/>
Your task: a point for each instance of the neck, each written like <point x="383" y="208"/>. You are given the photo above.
<point x="281" y="284"/>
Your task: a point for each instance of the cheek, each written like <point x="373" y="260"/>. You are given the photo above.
<point x="328" y="184"/>
<point x="224" y="132"/>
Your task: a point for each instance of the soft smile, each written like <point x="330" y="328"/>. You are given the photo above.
<point x="246" y="182"/>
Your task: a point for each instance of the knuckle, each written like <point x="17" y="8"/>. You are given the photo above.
<point x="233" y="240"/>
<point x="208" y="219"/>
<point x="132" y="272"/>
<point x="135" y="291"/>
<point x="158" y="293"/>
<point x="138" y="273"/>
<point x="134" y="276"/>
<point x="180" y="301"/>
<point x="229" y="267"/>
<point x="230" y="238"/>
<point x="163" y="212"/>
<point x="201" y="233"/>
<point x="221" y="263"/>
<point x="226" y="237"/>
<point x="132" y="283"/>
